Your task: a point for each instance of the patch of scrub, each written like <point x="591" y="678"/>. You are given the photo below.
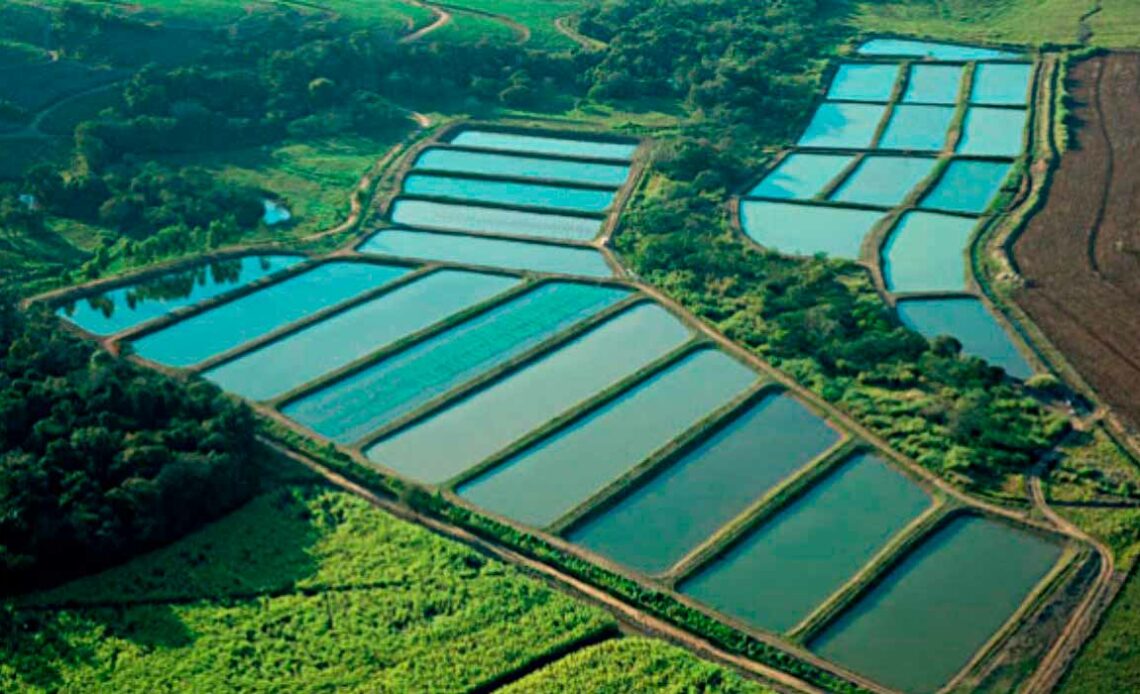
<point x="926" y="252"/>
<point x="510" y="193"/>
<point x="335" y="342"/>
<point x="801" y="176"/>
<point x="539" y="144"/>
<point x="993" y="131"/>
<point x="218" y="330"/>
<point x="968" y="321"/>
<point x="674" y="512"/>
<point x="275" y="212"/>
<point x="549" y="479"/>
<point x="836" y="232"/>
<point x="848" y="126"/>
<point x="967" y="186"/>
<point x="918" y="127"/>
<point x="883" y="180"/>
<point x="118" y="309"/>
<point x="933" y="84"/>
<point x="350" y="408"/>
<point x="863" y="82"/>
<point x="1001" y="84"/>
<point x="457" y="438"/>
<point x="473" y="250"/>
<point x="931" y="49"/>
<point x="923" y="622"/>
<point x="494" y="220"/>
<point x="787" y="567"/>
<point x="489" y="163"/>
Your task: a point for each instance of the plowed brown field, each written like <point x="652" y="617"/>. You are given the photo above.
<point x="1080" y="254"/>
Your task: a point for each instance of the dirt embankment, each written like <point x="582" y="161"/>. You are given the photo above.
<point x="1080" y="255"/>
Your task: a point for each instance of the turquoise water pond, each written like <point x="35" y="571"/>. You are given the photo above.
<point x="275" y="212"/>
<point x="978" y="569"/>
<point x="365" y="401"/>
<point x="457" y="438"/>
<point x="863" y="82"/>
<point x="218" y="330"/>
<point x="126" y="307"/>
<point x="933" y="84"/>
<point x="801" y="176"/>
<point x="883" y="180"/>
<point x="510" y="193"/>
<point x="538" y="144"/>
<point x="552" y="477"/>
<point x="849" y="126"/>
<point x="992" y="131"/>
<point x="794" y="561"/>
<point x="335" y="342"/>
<point x="967" y="320"/>
<point x="967" y="186"/>
<point x="515" y="255"/>
<point x="926" y="252"/>
<point x="807" y="229"/>
<point x="1003" y="84"/>
<point x="668" y="517"/>
<point x="918" y="127"/>
<point x="494" y="220"/>
<point x="931" y="49"/>
<point x="462" y="161"/>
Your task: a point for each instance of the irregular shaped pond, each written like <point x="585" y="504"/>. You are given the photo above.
<point x="807" y="229"/>
<point x="933" y="84"/>
<point x="494" y="220"/>
<point x="966" y="319"/>
<point x="884" y="181"/>
<point x="539" y="144"/>
<point x="967" y="186"/>
<point x="863" y="82"/>
<point x="1003" y="84"/>
<point x="510" y="193"/>
<point x="801" y="176"/>
<point x="847" y="126"/>
<point x="918" y="127"/>
<point x="993" y="131"/>
<point x="927" y="253"/>
<point x="462" y="161"/>
<point x="932" y="49"/>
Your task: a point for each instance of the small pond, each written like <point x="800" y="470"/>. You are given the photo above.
<point x="918" y="127"/>
<point x="807" y="229"/>
<point x="884" y="181"/>
<point x="966" y="319"/>
<point x="990" y="131"/>
<point x="494" y="220"/>
<point x="275" y="212"/>
<point x="926" y="252"/>
<point x="801" y="176"/>
<point x="967" y="186"/>
<point x="1002" y="84"/>
<point x="863" y="82"/>
<point x="510" y="193"/>
<point x="489" y="163"/>
<point x="933" y="84"/>
<point x="931" y="49"/>
<point x="539" y="144"/>
<point x="843" y="125"/>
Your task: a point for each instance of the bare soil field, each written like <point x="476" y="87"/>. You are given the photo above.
<point x="1080" y="255"/>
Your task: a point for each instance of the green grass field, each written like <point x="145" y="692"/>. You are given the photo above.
<point x="537" y="17"/>
<point x="1109" y="661"/>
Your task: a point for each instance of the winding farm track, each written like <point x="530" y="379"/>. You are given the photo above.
<point x="442" y="18"/>
<point x="587" y="43"/>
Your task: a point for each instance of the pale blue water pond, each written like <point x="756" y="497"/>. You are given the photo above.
<point x="516" y="255"/>
<point x="848" y="126"/>
<point x="549" y="479"/>
<point x="365" y="401"/>
<point x="668" y="517"/>
<point x="884" y="180"/>
<point x="205" y="335"/>
<point x="275" y="212"/>
<point x="540" y="144"/>
<point x="863" y="82"/>
<point x="794" y="561"/>
<point x="335" y="342"/>
<point x="801" y="176"/>
<point x="993" y="131"/>
<point x="510" y="193"/>
<point x="926" y="252"/>
<point x="494" y="220"/>
<point x="918" y="127"/>
<point x="126" y="307"/>
<point x="462" y="161"/>
<point x="1002" y="84"/>
<point x="931" y="49"/>
<point x="457" y="438"/>
<point x="966" y="319"/>
<point x="807" y="229"/>
<point x="967" y="186"/>
<point x="933" y="84"/>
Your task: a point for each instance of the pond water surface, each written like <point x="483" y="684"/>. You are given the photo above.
<point x="933" y="84"/>
<point x="275" y="212"/>
<point x="932" y="49"/>
<point x="807" y="229"/>
<point x="539" y="144"/>
<point x="847" y="126"/>
<point x="918" y="127"/>
<point x="1004" y="84"/>
<point x="510" y="193"/>
<point x="462" y="161"/>
<point x="992" y="131"/>
<point x="967" y="186"/>
<point x="494" y="220"/>
<point x="967" y="320"/>
<point x="863" y="82"/>
<point x="883" y="180"/>
<point x="926" y="252"/>
<point x="801" y="176"/>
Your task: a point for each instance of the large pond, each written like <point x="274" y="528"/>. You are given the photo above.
<point x="354" y="333"/>
<point x="924" y="621"/>
<point x="126" y="307"/>
<point x="844" y="125"/>
<point x="967" y="320"/>
<point x="218" y="330"/>
<point x="990" y="131"/>
<point x="807" y="229"/>
<point x="352" y="407"/>
<point x="473" y="250"/>
<point x="918" y="127"/>
<point x="489" y="163"/>
<point x="933" y="84"/>
<point x="926" y="252"/>
<point x="510" y="193"/>
<point x="775" y="577"/>
<point x="538" y="144"/>
<point x="457" y="438"/>
<point x="863" y="82"/>
<point x="672" y="513"/>
<point x="967" y="186"/>
<point x="884" y="181"/>
<point x="552" y="477"/>
<point x="931" y="49"/>
<point x="1003" y="84"/>
<point x="801" y="176"/>
<point x="494" y="220"/>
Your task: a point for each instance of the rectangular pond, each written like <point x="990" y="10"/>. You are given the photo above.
<point x="489" y="163"/>
<point x="933" y="84"/>
<point x="358" y="404"/>
<point x="967" y="186"/>
<point x="926" y="252"/>
<point x="918" y="627"/>
<point x="931" y="49"/>
<point x="509" y="193"/>
<point x="677" y="510"/>
<point x="218" y="330"/>
<point x="801" y="176"/>
<point x="884" y="181"/>
<point x="335" y="342"/>
<point x="474" y="250"/>
<point x="494" y="220"/>
<point x="549" y="479"/>
<point x="543" y="144"/>
<point x="125" y="307"/>
<point x="447" y="443"/>
<point x="918" y="127"/>
<point x="794" y="561"/>
<point x="990" y="131"/>
<point x="970" y="323"/>
<point x="844" y="125"/>
<point x="863" y="82"/>
<point x="836" y="232"/>
<point x="1001" y="84"/>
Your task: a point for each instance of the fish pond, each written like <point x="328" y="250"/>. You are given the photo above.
<point x="971" y="324"/>
<point x="918" y="127"/>
<point x="1001" y="84"/>
<point x="933" y="84"/>
<point x="863" y="82"/>
<point x="843" y="125"/>
<point x="801" y="176"/>
<point x="991" y="131"/>
<point x="539" y="144"/>
<point x="796" y="229"/>
<point x="494" y="220"/>
<point x="489" y="163"/>
<point x="510" y="193"/>
<point x="884" y="181"/>
<point x="931" y="49"/>
<point x="926" y="252"/>
<point x="967" y="186"/>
